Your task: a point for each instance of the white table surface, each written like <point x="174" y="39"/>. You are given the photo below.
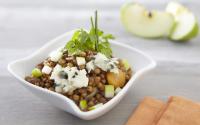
<point x="25" y="25"/>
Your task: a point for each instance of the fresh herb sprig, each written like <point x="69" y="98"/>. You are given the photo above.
<point x="94" y="40"/>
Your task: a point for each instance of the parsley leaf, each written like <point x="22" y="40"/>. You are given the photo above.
<point x="94" y="40"/>
<point x="104" y="48"/>
<point x="73" y="47"/>
<point x="83" y="36"/>
<point x="108" y="36"/>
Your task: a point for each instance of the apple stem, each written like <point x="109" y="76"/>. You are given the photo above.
<point x="150" y="14"/>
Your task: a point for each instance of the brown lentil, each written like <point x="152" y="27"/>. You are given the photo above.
<point x="103" y="81"/>
<point x="51" y="89"/>
<point x="102" y="76"/>
<point x="92" y="99"/>
<point x="90" y="103"/>
<point x="90" y="83"/>
<point x="97" y="79"/>
<point x="76" y="97"/>
<point x="70" y="58"/>
<point x="97" y="71"/>
<point x="83" y="54"/>
<point x="47" y="85"/>
<point x="100" y="86"/>
<point x="76" y="91"/>
<point x="82" y="67"/>
<point x="51" y="63"/>
<point x="89" y="89"/>
<point x="70" y="93"/>
<point x="40" y="66"/>
<point x="74" y="61"/>
<point x="37" y="84"/>
<point x="82" y="90"/>
<point x="93" y="93"/>
<point x="41" y="84"/>
<point x="70" y="64"/>
<point x="84" y="94"/>
<point x="62" y="61"/>
<point x="127" y="77"/>
<point x="71" y="97"/>
<point x="88" y="59"/>
<point x="102" y="100"/>
<point x="91" y="79"/>
<point x="98" y="96"/>
<point x="65" y="55"/>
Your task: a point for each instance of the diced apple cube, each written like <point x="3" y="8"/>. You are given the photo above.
<point x="117" y="90"/>
<point x="80" y="60"/>
<point x="46" y="69"/>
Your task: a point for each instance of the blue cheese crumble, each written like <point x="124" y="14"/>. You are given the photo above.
<point x="101" y="61"/>
<point x="69" y="78"/>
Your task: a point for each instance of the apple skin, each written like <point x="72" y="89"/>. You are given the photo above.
<point x="191" y="34"/>
<point x="151" y="30"/>
<point x="176" y="9"/>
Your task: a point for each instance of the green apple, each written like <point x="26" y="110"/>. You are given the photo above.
<point x="141" y="22"/>
<point x="186" y="23"/>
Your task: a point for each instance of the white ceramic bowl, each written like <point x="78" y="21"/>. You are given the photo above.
<point x="139" y="62"/>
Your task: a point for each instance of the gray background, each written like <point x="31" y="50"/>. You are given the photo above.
<point x="25" y="25"/>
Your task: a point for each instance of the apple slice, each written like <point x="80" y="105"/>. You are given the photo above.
<point x="186" y="23"/>
<point x="144" y="23"/>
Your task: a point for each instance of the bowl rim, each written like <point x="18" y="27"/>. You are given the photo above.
<point x="74" y="107"/>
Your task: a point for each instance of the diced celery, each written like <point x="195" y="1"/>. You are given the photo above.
<point x="109" y="91"/>
<point x="36" y="72"/>
<point x="95" y="106"/>
<point x="126" y="64"/>
<point x="83" y="104"/>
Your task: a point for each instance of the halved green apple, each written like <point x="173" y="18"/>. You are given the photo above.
<point x="141" y="22"/>
<point x="186" y="23"/>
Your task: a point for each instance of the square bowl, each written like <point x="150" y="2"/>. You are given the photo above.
<point x="140" y="63"/>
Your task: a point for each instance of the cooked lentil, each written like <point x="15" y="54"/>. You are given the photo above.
<point x="93" y="93"/>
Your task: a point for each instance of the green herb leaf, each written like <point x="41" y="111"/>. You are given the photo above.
<point x="73" y="47"/>
<point x="96" y="31"/>
<point x="108" y="36"/>
<point x="94" y="40"/>
<point x="104" y="48"/>
<point x="89" y="45"/>
<point x="83" y="36"/>
<point x="92" y="35"/>
<point x="75" y="35"/>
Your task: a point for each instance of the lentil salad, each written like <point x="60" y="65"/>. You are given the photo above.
<point x="84" y="70"/>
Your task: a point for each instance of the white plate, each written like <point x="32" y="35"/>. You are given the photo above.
<point x="139" y="62"/>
